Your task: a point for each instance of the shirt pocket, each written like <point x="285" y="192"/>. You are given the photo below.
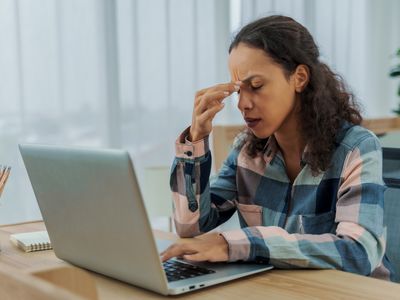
<point x="318" y="224"/>
<point x="251" y="214"/>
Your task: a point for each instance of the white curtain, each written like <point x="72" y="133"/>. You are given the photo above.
<point x="102" y="73"/>
<point x="122" y="73"/>
<point x="357" y="38"/>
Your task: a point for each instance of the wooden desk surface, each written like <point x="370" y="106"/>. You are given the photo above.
<point x="275" y="284"/>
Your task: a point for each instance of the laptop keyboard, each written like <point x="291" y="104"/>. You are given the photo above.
<point x="176" y="270"/>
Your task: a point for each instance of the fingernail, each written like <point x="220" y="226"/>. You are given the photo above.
<point x="226" y="93"/>
<point x="238" y="82"/>
<point x="237" y="87"/>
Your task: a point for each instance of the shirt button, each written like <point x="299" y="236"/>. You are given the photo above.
<point x="193" y="206"/>
<point x="189" y="153"/>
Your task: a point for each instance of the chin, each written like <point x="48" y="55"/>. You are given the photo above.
<point x="261" y="134"/>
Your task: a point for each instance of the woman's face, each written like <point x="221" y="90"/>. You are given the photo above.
<point x="267" y="97"/>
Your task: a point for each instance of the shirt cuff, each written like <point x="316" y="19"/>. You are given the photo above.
<point x="238" y="245"/>
<point x="190" y="150"/>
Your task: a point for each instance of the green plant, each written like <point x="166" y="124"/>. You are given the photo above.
<point x="395" y="72"/>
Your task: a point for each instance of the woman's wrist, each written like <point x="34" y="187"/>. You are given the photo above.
<point x="194" y="137"/>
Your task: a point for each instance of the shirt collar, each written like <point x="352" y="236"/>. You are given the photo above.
<point x="271" y="149"/>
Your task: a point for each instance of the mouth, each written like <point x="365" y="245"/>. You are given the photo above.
<point x="252" y="122"/>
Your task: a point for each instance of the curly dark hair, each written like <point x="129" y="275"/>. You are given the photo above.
<point x="326" y="103"/>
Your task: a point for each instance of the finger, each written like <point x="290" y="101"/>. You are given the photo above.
<point x="210" y="113"/>
<point x="169" y="252"/>
<point x="229" y="86"/>
<point x="225" y="87"/>
<point x="177" y="250"/>
<point x="170" y="248"/>
<point x="195" y="257"/>
<point x="201" y="92"/>
<point x="210" y="100"/>
<point x="169" y="255"/>
<point x="239" y="83"/>
<point x="211" y="96"/>
<point x="166" y="256"/>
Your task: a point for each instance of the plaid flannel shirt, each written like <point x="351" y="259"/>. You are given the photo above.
<point x="330" y="221"/>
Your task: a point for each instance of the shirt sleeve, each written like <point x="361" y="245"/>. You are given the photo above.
<point x="199" y="208"/>
<point x="357" y="246"/>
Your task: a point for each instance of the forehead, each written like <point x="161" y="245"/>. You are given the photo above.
<point x="244" y="60"/>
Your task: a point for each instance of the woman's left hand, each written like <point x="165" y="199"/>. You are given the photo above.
<point x="207" y="247"/>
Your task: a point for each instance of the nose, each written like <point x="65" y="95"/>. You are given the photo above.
<point x="245" y="103"/>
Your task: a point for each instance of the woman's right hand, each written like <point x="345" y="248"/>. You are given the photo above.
<point x="207" y="104"/>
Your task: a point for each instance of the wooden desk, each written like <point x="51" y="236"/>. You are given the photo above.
<point x="275" y="284"/>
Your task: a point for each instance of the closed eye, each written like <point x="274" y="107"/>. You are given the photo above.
<point x="255" y="87"/>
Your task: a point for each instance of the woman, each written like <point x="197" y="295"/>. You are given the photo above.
<point x="305" y="178"/>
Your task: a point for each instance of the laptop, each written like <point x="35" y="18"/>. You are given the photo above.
<point x="96" y="219"/>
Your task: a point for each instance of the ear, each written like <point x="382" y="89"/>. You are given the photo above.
<point x="301" y="78"/>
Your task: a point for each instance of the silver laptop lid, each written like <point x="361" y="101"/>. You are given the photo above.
<point x="87" y="200"/>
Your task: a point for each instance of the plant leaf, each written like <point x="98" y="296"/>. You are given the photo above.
<point x="395" y="71"/>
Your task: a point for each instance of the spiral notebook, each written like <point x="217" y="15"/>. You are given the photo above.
<point x="31" y="241"/>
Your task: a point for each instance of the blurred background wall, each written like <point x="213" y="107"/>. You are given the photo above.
<point x="123" y="73"/>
